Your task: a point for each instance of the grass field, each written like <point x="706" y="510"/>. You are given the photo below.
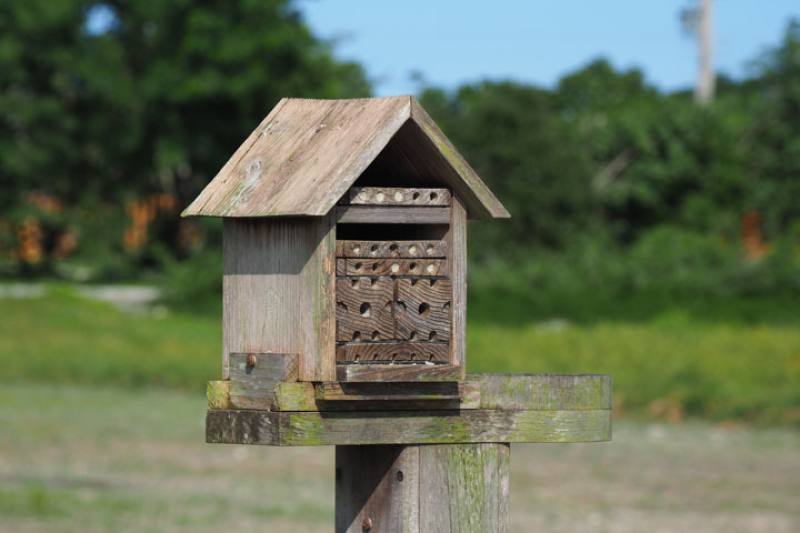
<point x="733" y="361"/>
<point x="89" y="459"/>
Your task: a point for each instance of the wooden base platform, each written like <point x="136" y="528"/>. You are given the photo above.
<point x="486" y="408"/>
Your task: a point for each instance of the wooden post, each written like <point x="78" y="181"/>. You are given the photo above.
<point x="438" y="488"/>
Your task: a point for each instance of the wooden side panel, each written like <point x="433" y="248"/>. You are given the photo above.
<point x="457" y="238"/>
<point x="423" y="309"/>
<point x="278" y="291"/>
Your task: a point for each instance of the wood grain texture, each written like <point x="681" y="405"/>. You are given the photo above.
<point x="418" y="196"/>
<point x="364" y="309"/>
<point x="406" y="427"/>
<point x="423" y="309"/>
<point x="392" y="267"/>
<point x="253" y="387"/>
<point x="391" y="249"/>
<point x="464" y="488"/>
<point x="377" y="489"/>
<point x="393" y="351"/>
<point x="279" y="291"/>
<point x="504" y="392"/>
<point x="457" y="243"/>
<point x="306" y="154"/>
<point x="357" y="372"/>
<point x="358" y="214"/>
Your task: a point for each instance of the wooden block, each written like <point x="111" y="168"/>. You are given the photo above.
<point x="457" y="244"/>
<point x="406" y="427"/>
<point x="392" y="267"/>
<point x="219" y="395"/>
<point x="355" y="372"/>
<point x="423" y="309"/>
<point x="397" y="196"/>
<point x="391" y="249"/>
<point x="364" y="309"/>
<point x="393" y="351"/>
<point x="253" y="377"/>
<point x="361" y="214"/>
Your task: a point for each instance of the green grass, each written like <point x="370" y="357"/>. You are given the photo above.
<point x="729" y="360"/>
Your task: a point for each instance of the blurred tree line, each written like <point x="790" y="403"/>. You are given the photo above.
<point x="106" y="132"/>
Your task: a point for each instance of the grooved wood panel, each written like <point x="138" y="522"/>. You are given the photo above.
<point x="417" y="196"/>
<point x="362" y="214"/>
<point x="279" y="291"/>
<point x="393" y="351"/>
<point x="457" y="237"/>
<point x="391" y="249"/>
<point x="364" y="309"/>
<point x="423" y="309"/>
<point x="392" y="267"/>
<point x="361" y="392"/>
<point x="406" y="427"/>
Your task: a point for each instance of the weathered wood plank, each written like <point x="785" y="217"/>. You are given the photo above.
<point x="383" y="196"/>
<point x="362" y="214"/>
<point x="254" y="377"/>
<point x="392" y="267"/>
<point x="399" y="372"/>
<point x="393" y="351"/>
<point x="484" y="391"/>
<point x="457" y="242"/>
<point x="377" y="489"/>
<point x="355" y="249"/>
<point x="423" y="309"/>
<point x="364" y="309"/>
<point x="406" y="427"/>
<point x="464" y="487"/>
<point x="544" y="391"/>
<point x="278" y="291"/>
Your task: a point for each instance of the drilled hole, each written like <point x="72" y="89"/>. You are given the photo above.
<point x="356" y="335"/>
<point x="358" y="266"/>
<point x="430" y="249"/>
<point x="399" y="475"/>
<point x="380" y="197"/>
<point x="401" y="306"/>
<point x="356" y="358"/>
<point x="412" y="250"/>
<point x="415" y="196"/>
<point x="375" y="266"/>
<point x="375" y="335"/>
<point x="446" y="306"/>
<point x="414" y="282"/>
<point x="424" y="309"/>
<point x="433" y="196"/>
<point x="393" y="247"/>
<point x="354" y="283"/>
<point x="398" y="196"/>
<point x="364" y="310"/>
<point x="412" y="336"/>
<point x="373" y="281"/>
<point x="341" y="305"/>
<point x="412" y="267"/>
<point x="395" y="268"/>
<point x="433" y="282"/>
<point x="356" y="249"/>
<point x="431" y="269"/>
<point x="432" y="336"/>
<point x="373" y="248"/>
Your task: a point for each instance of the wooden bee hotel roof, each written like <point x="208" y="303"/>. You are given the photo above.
<point x="306" y="154"/>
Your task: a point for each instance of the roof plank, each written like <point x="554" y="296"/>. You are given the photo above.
<point x="306" y="154"/>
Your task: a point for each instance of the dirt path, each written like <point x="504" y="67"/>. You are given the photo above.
<point x="81" y="459"/>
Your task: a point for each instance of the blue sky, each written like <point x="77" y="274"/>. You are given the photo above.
<point x="450" y="42"/>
